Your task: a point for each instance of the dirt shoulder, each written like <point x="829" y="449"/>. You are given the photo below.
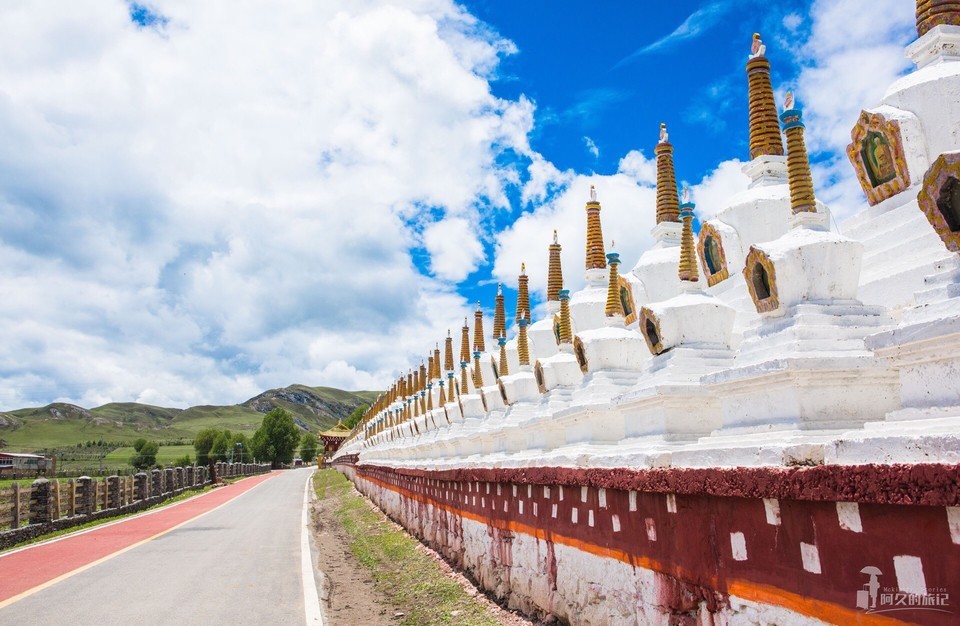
<point x="377" y="574"/>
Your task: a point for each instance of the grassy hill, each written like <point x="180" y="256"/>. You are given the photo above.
<point x="60" y="424"/>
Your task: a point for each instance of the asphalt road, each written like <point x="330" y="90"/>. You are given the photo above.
<point x="241" y="563"/>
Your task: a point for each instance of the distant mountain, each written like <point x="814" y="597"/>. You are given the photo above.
<point x="61" y="424"/>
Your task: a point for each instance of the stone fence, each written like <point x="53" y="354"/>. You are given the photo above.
<point x="48" y="506"/>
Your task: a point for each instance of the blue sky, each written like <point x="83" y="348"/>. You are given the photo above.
<point x="199" y="201"/>
<point x="604" y="77"/>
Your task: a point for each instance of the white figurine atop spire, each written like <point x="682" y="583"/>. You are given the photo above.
<point x="664" y="135"/>
<point x="593" y="193"/>
<point x="758" y="49"/>
<point x="686" y="195"/>
<point x="789" y="102"/>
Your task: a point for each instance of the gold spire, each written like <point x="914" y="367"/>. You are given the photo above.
<point x="436" y="362"/>
<point x="555" y="271"/>
<point x="504" y="368"/>
<point x="523" y="293"/>
<point x="688" y="260"/>
<point x="566" y="334"/>
<point x="465" y="342"/>
<point x="464" y="388"/>
<point x="499" y="316"/>
<point x="595" y="258"/>
<point x="448" y="353"/>
<point x="802" y="197"/>
<point x="668" y="202"/>
<point x="478" y="329"/>
<point x="416" y="390"/>
<point x="765" y="138"/>
<point x="430" y="397"/>
<point x="931" y="13"/>
<point x="477" y="374"/>
<point x="523" y="351"/>
<point x="443" y="396"/>
<point x="614" y="307"/>
<point x="430" y="367"/>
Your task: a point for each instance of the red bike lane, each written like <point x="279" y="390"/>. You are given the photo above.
<point x="30" y="569"/>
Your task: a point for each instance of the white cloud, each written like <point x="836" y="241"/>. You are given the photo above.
<point x="792" y="22"/>
<point x="697" y="23"/>
<point x="628" y="213"/>
<point x="638" y="167"/>
<point x="850" y="59"/>
<point x="543" y="178"/>
<point x="191" y="213"/>
<point x="455" y="250"/>
<point x="717" y="187"/>
<point x="591" y="147"/>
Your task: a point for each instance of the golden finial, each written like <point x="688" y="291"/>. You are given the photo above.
<point x="554" y="271"/>
<point x="802" y="197"/>
<point x="523" y="292"/>
<point x="478" y="329"/>
<point x="765" y="137"/>
<point x="595" y="255"/>
<point x="448" y="353"/>
<point x="614" y="306"/>
<point x="668" y="203"/>
<point x="932" y="14"/>
<point x="499" y="315"/>
<point x="523" y="350"/>
<point x="687" y="271"/>
<point x="465" y="342"/>
<point x="477" y="374"/>
<point x="566" y="334"/>
<point x="504" y="369"/>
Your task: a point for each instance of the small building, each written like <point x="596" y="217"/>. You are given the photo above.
<point x="333" y="438"/>
<point x="13" y="464"/>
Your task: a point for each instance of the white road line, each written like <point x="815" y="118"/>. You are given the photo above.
<point x="311" y="599"/>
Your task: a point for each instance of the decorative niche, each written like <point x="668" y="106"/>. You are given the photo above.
<point x="939" y="198"/>
<point x="761" y="280"/>
<point x="503" y="392"/>
<point x="877" y="155"/>
<point x="650" y="328"/>
<point x="713" y="260"/>
<point x="580" y="354"/>
<point x="538" y="375"/>
<point x="627" y="305"/>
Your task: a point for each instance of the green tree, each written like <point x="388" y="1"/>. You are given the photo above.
<point x="276" y="439"/>
<point x="241" y="448"/>
<point x="354" y="417"/>
<point x="203" y="442"/>
<point x="220" y="450"/>
<point x="308" y="447"/>
<point x="183" y="461"/>
<point x="145" y="455"/>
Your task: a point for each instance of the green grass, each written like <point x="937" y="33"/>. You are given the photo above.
<point x="411" y="579"/>
<point x="165" y="455"/>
